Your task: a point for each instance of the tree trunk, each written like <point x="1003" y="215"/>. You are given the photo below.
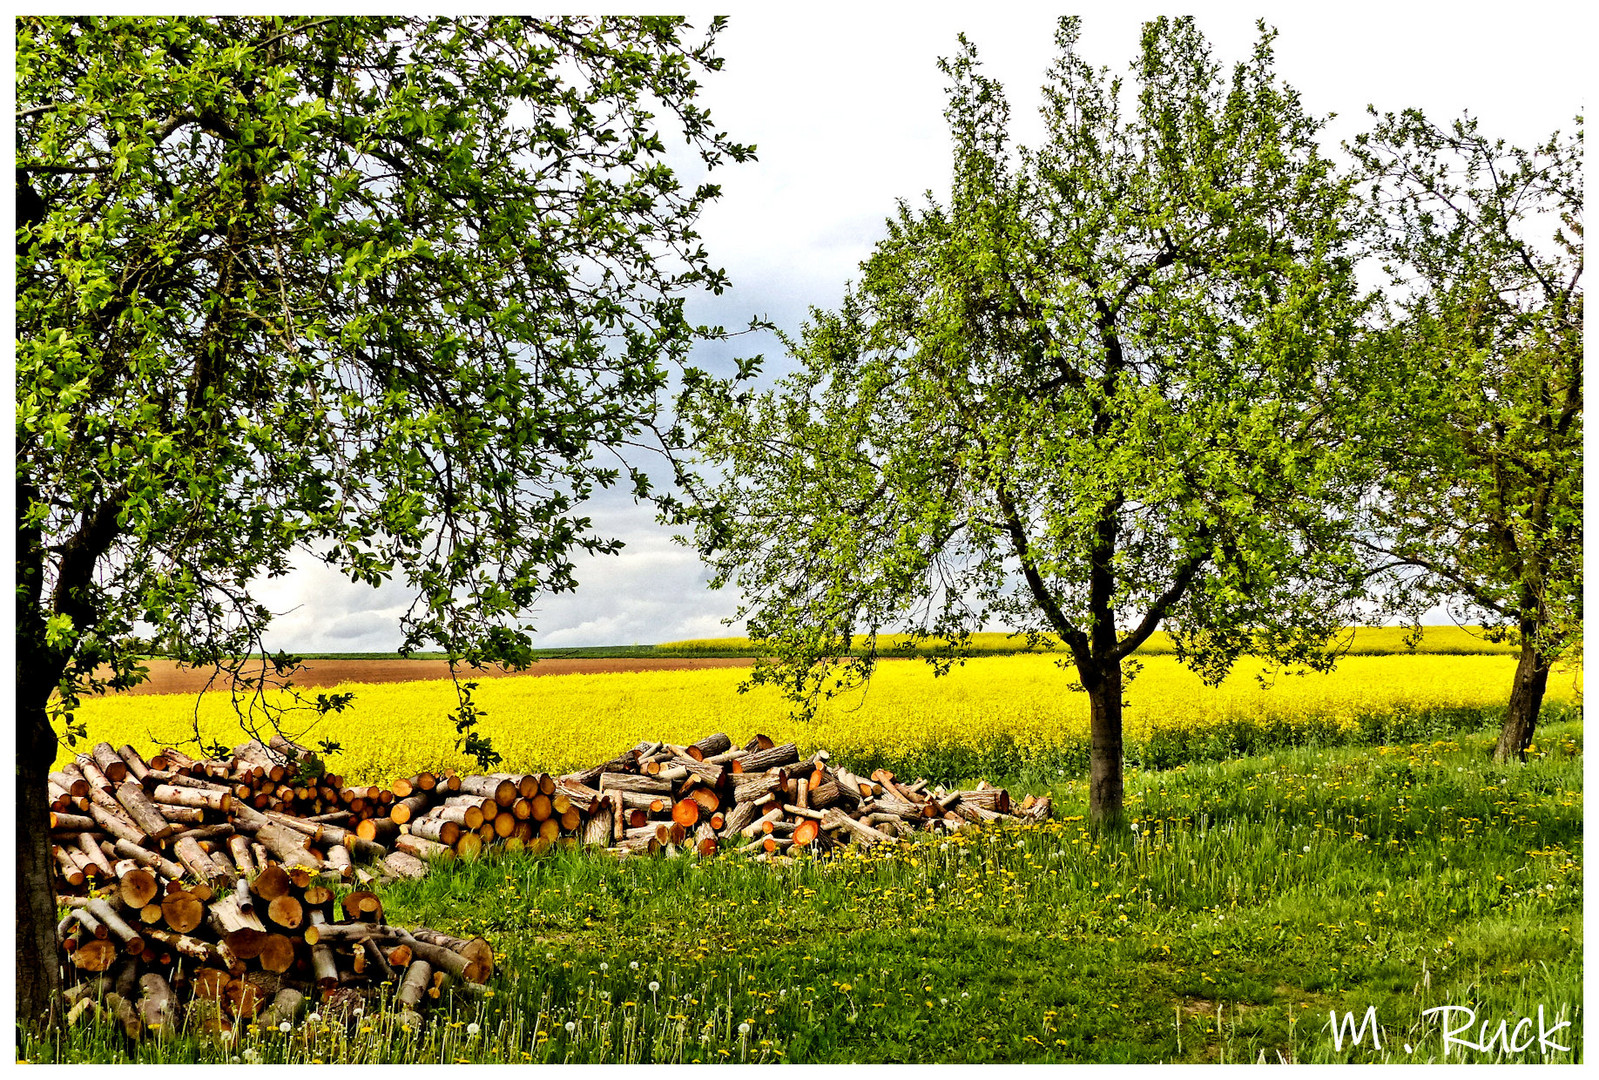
<point x="38" y="965"/>
<point x="1105" y="749"/>
<point x="1526" y="698"/>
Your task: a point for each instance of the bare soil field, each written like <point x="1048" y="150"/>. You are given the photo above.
<point x="167" y="677"/>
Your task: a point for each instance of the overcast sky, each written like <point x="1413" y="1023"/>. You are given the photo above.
<point x="845" y="103"/>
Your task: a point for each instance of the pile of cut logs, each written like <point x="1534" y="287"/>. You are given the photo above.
<point x="215" y="878"/>
<point x="214" y="821"/>
<point x="253" y="952"/>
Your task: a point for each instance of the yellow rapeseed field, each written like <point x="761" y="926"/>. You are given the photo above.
<point x="561" y="722"/>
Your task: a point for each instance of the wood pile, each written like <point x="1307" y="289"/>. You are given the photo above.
<point x="213" y="881"/>
<point x="214" y="821"/>
<point x="256" y="944"/>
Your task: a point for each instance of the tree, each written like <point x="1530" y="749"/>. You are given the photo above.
<point x="1106" y="389"/>
<point x="397" y="292"/>
<point x="1482" y="496"/>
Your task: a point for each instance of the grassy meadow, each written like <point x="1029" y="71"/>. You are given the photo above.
<point x="1256" y="896"/>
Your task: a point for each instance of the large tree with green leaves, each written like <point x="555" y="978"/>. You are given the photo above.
<point x="396" y="292"/>
<point x="1106" y="389"/>
<point x="1481" y="501"/>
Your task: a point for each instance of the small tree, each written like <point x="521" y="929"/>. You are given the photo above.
<point x="1105" y="390"/>
<point x="392" y="291"/>
<point x="1481" y="503"/>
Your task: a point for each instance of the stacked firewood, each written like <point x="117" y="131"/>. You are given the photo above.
<point x="255" y="946"/>
<point x="765" y="798"/>
<point x="215" y="821"/>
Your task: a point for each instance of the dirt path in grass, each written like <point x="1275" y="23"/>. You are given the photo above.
<point x="167" y="677"/>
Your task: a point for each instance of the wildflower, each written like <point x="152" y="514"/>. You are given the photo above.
<point x="472" y="1030"/>
<point x="571" y="1026"/>
<point x="604" y="966"/>
<point x="654" y="986"/>
<point x="1307" y="847"/>
<point x="633" y="964"/>
<point x="285" y="1027"/>
<point x="314" y="1018"/>
<point x="743" y="1029"/>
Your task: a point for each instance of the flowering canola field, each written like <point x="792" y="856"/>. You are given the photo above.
<point x="995" y="715"/>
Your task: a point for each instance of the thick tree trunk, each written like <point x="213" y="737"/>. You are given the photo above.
<point x="38" y="960"/>
<point x="1105" y="749"/>
<point x="1526" y="698"/>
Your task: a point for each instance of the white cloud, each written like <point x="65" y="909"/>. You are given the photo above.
<point x="845" y="106"/>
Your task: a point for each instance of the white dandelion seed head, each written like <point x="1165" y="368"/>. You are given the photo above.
<point x="743" y="1029"/>
<point x="571" y="1026"/>
<point x="604" y="966"/>
<point x="654" y="986"/>
<point x="472" y="1029"/>
<point x="285" y="1027"/>
<point x="1307" y="848"/>
<point x="314" y="1018"/>
<point x="633" y="964"/>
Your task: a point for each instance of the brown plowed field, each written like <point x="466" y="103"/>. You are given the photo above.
<point x="167" y="677"/>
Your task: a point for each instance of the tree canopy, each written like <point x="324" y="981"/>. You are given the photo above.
<point x="1106" y="388"/>
<point x="396" y="292"/>
<point x="1480" y="504"/>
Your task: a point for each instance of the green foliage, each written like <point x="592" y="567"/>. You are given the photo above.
<point x="1481" y="502"/>
<point x="1104" y="389"/>
<point x="389" y="291"/>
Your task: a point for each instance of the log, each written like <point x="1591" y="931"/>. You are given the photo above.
<point x="403" y="810"/>
<point x="686" y="812"/>
<point x="158" y="1005"/>
<point x="109" y="762"/>
<point x="598" y="831"/>
<point x="403" y="865"/>
<point x="136" y="886"/>
<point x="860" y="832"/>
<point x="284" y="1009"/>
<point x="761" y="760"/>
<point x="631" y="782"/>
<point x="443" y="959"/>
<point x="136" y="764"/>
<point x="418" y="979"/>
<point x="120" y="826"/>
<point x="422" y="848"/>
<point x="476" y="950"/>
<point x="502" y="791"/>
<point x="94" y="955"/>
<point x="143" y="812"/>
<point x="758" y="825"/>
<point x="324" y="968"/>
<point x="710" y="746"/>
<point x="439" y="830"/>
<point x="277" y="953"/>
<point x="374" y="954"/>
<point x="119" y="929"/>
<point x="73" y="783"/>
<point x="197" y="798"/>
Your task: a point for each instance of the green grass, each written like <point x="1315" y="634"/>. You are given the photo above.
<point x="1258" y="894"/>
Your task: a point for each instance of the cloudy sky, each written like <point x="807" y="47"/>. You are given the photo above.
<point x="844" y="103"/>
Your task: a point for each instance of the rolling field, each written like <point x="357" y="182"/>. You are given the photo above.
<point x="1004" y="715"/>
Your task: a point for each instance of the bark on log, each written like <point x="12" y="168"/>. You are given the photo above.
<point x="418" y="977"/>
<point x="710" y="746"/>
<point x="632" y="782"/>
<point x="144" y="812"/>
<point x="285" y="1008"/>
<point x="403" y="865"/>
<point x="761" y="760"/>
